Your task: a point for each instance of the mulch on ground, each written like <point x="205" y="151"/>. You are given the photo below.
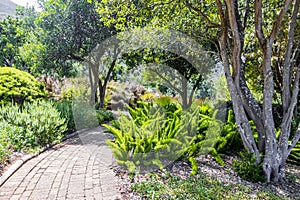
<point x="225" y="174"/>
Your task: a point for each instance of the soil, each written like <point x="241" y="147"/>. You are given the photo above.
<point x="225" y="174"/>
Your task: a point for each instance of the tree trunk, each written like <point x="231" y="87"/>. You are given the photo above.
<point x="184" y="95"/>
<point x="231" y="48"/>
<point x="102" y="91"/>
<point x="275" y="154"/>
<point x="102" y="87"/>
<point x="233" y="79"/>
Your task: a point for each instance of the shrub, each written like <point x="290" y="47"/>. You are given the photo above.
<point x="153" y="125"/>
<point x="247" y="169"/>
<point x="207" y="137"/>
<point x="19" y="86"/>
<point x="67" y="93"/>
<point x="149" y="137"/>
<point x="37" y="123"/>
<point x="65" y="109"/>
<point x="148" y="97"/>
<point x="231" y="139"/>
<point x="16" y="137"/>
<point x="104" y="115"/>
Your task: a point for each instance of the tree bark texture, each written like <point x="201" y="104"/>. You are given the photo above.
<point x="231" y="42"/>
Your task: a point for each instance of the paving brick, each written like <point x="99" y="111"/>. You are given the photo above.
<point x="19" y="190"/>
<point x="26" y="194"/>
<point x="5" y="197"/>
<point x="15" y="197"/>
<point x="73" y="171"/>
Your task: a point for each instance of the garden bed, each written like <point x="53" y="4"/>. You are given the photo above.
<point x="213" y="182"/>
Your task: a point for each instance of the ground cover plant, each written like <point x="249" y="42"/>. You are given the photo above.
<point x="195" y="187"/>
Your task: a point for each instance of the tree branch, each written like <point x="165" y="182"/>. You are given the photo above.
<point x="193" y="90"/>
<point x="221" y="13"/>
<point x="205" y="17"/>
<point x="287" y="118"/>
<point x="233" y="21"/>
<point x="277" y="23"/>
<point x="286" y="95"/>
<point x="167" y="81"/>
<point x="258" y="22"/>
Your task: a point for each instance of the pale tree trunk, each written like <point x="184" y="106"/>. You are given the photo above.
<point x="231" y="49"/>
<point x="276" y="153"/>
<point x="237" y="93"/>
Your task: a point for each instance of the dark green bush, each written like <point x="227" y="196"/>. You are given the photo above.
<point x="104" y="115"/>
<point x="231" y="139"/>
<point x="247" y="169"/>
<point x="85" y="115"/>
<point x="19" y="86"/>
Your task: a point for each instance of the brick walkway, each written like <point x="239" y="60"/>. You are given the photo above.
<point x="79" y="168"/>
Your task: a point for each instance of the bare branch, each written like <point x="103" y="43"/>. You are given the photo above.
<point x="236" y="60"/>
<point x="199" y="12"/>
<point x="258" y="22"/>
<point x="221" y="13"/>
<point x="286" y="95"/>
<point x="287" y="118"/>
<point x="295" y="55"/>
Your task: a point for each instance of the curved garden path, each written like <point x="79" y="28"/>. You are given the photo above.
<point x="79" y="168"/>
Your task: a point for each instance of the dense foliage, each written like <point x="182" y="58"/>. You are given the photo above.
<point x="247" y="169"/>
<point x="32" y="125"/>
<point x="64" y="107"/>
<point x="256" y="43"/>
<point x="160" y="132"/>
<point x="150" y="137"/>
<point x="19" y="86"/>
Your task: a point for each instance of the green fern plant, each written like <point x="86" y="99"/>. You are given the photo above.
<point x="208" y="135"/>
<point x="230" y="138"/>
<point x="294" y="157"/>
<point x="148" y="138"/>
